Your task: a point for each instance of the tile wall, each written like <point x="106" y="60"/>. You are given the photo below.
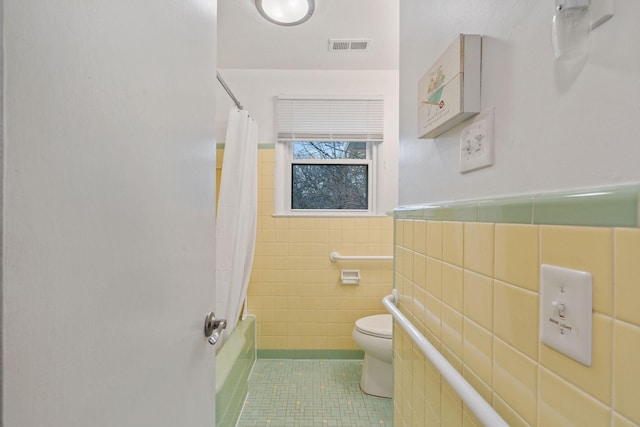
<point x="472" y="289"/>
<point x="301" y="308"/>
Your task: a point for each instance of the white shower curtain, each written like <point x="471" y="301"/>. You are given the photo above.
<point x="236" y="218"/>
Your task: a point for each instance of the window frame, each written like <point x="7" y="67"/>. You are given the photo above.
<point x="283" y="181"/>
<point x="371" y="176"/>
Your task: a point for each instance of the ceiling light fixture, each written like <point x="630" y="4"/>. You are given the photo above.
<point x="286" y="12"/>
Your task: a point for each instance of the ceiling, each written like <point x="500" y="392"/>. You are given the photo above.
<point x="246" y="40"/>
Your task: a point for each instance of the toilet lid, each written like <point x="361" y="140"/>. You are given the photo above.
<point x="380" y="325"/>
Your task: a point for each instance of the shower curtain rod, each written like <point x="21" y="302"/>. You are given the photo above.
<point x="226" y="88"/>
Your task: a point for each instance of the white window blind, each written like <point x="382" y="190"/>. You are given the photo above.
<point x="300" y="119"/>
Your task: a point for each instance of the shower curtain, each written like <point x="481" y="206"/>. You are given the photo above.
<point x="236" y="218"/>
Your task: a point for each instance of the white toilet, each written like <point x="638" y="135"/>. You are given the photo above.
<point x="373" y="335"/>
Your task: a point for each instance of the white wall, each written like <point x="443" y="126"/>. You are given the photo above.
<point x="257" y="91"/>
<point x="557" y="126"/>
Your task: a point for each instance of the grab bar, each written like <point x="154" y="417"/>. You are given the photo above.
<point x="335" y="256"/>
<point x="480" y="408"/>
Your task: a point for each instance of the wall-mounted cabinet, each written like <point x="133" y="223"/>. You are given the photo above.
<point x="449" y="92"/>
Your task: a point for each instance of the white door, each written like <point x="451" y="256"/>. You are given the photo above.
<point x="108" y="212"/>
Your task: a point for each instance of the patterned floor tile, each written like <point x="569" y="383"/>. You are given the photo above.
<point x="311" y="393"/>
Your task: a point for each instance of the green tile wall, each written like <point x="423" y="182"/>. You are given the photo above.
<point x="608" y="207"/>
<point x="233" y="367"/>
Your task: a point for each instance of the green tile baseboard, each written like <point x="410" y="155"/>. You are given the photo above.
<point x="608" y="207"/>
<point x="311" y="354"/>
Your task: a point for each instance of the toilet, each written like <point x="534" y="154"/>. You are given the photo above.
<point x="373" y="335"/>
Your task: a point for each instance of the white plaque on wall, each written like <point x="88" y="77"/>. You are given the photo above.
<point x="449" y="92"/>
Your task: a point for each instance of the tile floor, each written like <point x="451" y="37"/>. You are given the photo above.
<point x="311" y="393"/>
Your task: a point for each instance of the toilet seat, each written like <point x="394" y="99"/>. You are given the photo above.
<point x="379" y="325"/>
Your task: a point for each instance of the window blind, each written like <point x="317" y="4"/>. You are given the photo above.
<point x="300" y="119"/>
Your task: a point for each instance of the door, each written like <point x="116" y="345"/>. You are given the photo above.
<point x="108" y="212"/>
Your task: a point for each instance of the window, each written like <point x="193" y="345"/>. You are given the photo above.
<point x="326" y="156"/>
<point x="328" y="175"/>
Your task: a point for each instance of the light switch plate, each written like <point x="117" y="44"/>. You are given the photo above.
<point x="476" y="144"/>
<point x="566" y="311"/>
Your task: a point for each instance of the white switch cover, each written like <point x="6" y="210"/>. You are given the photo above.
<point x="476" y="144"/>
<point x="565" y="311"/>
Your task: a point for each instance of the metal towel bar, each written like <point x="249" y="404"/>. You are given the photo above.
<point x="480" y="408"/>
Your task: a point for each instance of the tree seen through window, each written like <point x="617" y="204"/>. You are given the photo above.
<point x="330" y="175"/>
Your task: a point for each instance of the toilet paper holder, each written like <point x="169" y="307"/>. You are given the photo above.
<point x="350" y="277"/>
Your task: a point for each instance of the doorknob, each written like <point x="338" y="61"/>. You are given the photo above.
<point x="213" y="327"/>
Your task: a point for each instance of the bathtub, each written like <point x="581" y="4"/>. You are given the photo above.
<point x="234" y="362"/>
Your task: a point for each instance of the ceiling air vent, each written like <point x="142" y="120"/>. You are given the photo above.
<point x="344" y="45"/>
